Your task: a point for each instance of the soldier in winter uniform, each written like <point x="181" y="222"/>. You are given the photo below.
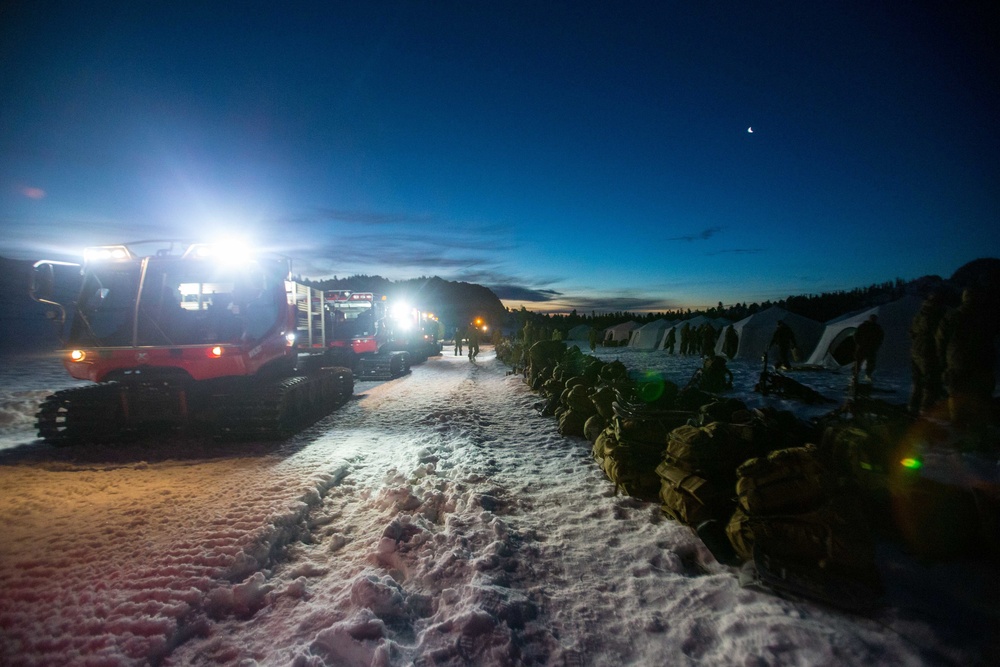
<point x="924" y="359"/>
<point x="685" y="338"/>
<point x="714" y="376"/>
<point x="784" y="339"/>
<point x="707" y="336"/>
<point x="473" y="342"/>
<point x="867" y="340"/>
<point x="668" y="345"/>
<point x="966" y="347"/>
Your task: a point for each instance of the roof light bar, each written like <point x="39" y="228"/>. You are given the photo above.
<point x="107" y="253"/>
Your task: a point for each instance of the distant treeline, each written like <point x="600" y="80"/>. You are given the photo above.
<point x="819" y="307"/>
<point x="458" y="303"/>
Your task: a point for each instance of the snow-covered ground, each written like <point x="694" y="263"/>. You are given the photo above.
<point x="433" y="520"/>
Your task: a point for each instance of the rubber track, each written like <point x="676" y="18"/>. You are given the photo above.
<point x="383" y="366"/>
<point x="81" y="414"/>
<point x="276" y="409"/>
<point x="248" y="409"/>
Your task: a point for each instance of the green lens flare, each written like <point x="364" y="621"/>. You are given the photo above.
<point x="911" y="463"/>
<point x="649" y="386"/>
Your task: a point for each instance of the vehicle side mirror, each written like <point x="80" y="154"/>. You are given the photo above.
<point x="42" y="286"/>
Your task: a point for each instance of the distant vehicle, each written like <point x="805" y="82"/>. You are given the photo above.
<point x="374" y="339"/>
<point x="182" y="335"/>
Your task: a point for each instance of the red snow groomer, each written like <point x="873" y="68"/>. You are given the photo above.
<point x="175" y="334"/>
<point x="362" y="335"/>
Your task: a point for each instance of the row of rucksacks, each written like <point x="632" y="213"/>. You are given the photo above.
<point x="741" y="477"/>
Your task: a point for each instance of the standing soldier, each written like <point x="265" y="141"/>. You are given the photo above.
<point x="924" y="358"/>
<point x="708" y="335"/>
<point x="784" y="338"/>
<point x="965" y="340"/>
<point x="685" y="338"/>
<point x="458" y="341"/>
<point x="668" y="345"/>
<point x="867" y="340"/>
<point x="593" y="339"/>
<point x="473" y="342"/>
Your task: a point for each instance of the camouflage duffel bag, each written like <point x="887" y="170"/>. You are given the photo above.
<point x="860" y="454"/>
<point x="834" y="537"/>
<point x="571" y="422"/>
<point x="593" y="427"/>
<point x="538" y="376"/>
<point x="577" y="397"/>
<point x="546" y="352"/>
<point x="613" y="371"/>
<point x="549" y="406"/>
<point x="553" y="387"/>
<point x="688" y="498"/>
<point x="605" y="442"/>
<point x="648" y="425"/>
<point x="786" y="480"/>
<point x="603" y="399"/>
<point x="641" y="430"/>
<point x="720" y="410"/>
<point x="709" y="450"/>
<point x="633" y="472"/>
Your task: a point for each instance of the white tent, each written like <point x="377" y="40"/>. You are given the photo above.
<point x="650" y="336"/>
<point x="697" y="321"/>
<point x="581" y="332"/>
<point x="693" y="323"/>
<point x="836" y="346"/>
<point x="674" y="326"/>
<point x="619" y="334"/>
<point x="756" y="330"/>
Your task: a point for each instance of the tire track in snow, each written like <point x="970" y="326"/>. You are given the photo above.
<point x="410" y="555"/>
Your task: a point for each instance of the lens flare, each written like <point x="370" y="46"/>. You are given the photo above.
<point x="650" y="386"/>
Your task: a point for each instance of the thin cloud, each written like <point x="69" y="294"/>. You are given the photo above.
<point x="638" y="304"/>
<point x="703" y="235"/>
<point x="736" y="251"/>
<point x="521" y="293"/>
<point x="370" y="217"/>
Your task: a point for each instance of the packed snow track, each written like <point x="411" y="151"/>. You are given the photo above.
<point x="435" y="519"/>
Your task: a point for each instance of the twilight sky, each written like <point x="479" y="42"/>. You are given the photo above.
<point x="577" y="154"/>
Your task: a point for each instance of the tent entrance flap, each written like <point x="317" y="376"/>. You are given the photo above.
<point x="842" y="347"/>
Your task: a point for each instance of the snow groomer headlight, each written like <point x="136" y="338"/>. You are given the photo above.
<point x="77" y="355"/>
<point x="106" y="253"/>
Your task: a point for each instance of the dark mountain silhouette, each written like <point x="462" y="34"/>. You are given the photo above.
<point x="455" y="303"/>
